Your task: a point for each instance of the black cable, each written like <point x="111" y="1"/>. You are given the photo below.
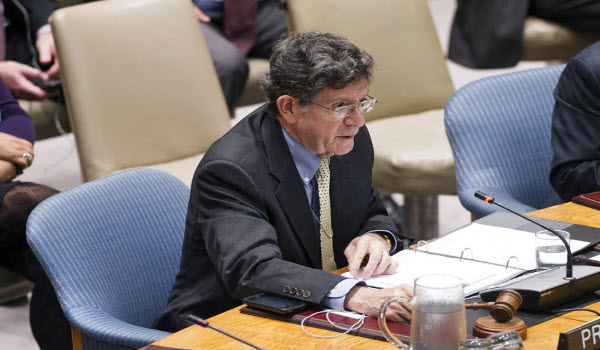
<point x="574" y="309"/>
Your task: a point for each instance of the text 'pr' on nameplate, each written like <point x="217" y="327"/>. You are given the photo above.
<point x="586" y="336"/>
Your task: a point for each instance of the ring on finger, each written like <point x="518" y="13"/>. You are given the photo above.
<point x="28" y="158"/>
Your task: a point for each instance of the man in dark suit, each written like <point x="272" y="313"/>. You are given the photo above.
<point x="576" y="126"/>
<point x="265" y="214"/>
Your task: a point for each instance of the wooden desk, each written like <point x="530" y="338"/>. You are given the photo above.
<point x="280" y="335"/>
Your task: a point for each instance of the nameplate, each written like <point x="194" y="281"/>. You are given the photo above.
<point x="586" y="336"/>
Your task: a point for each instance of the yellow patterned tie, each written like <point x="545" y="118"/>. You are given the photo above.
<point x="327" y="259"/>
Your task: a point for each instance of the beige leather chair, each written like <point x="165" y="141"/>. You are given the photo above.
<point x="252" y="93"/>
<point x="140" y="86"/>
<point x="412" y="85"/>
<point x="49" y="117"/>
<point x="548" y="41"/>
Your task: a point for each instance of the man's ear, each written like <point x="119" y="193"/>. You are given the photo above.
<point x="285" y="105"/>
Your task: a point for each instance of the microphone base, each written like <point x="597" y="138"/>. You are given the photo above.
<point x="548" y="289"/>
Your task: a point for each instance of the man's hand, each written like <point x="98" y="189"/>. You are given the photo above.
<point x="47" y="54"/>
<point x="12" y="149"/>
<point x="377" y="249"/>
<point x="368" y="301"/>
<point x="202" y="17"/>
<point x="16" y="77"/>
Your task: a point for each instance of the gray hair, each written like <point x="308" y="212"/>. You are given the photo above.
<point x="303" y="64"/>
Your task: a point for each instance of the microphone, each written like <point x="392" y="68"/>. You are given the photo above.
<point x="546" y="289"/>
<point x="489" y="199"/>
<point x="204" y="323"/>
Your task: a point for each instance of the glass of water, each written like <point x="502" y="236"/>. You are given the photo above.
<point x="438" y="316"/>
<point x="550" y="251"/>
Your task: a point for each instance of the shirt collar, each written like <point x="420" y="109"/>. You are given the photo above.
<point x="306" y="161"/>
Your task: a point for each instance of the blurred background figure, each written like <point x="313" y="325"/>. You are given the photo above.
<point x="489" y="34"/>
<point x="27" y="49"/>
<point x="234" y="30"/>
<point x="576" y="126"/>
<point x="17" y="199"/>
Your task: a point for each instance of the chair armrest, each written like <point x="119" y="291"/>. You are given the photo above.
<point x="98" y="324"/>
<point x="480" y="208"/>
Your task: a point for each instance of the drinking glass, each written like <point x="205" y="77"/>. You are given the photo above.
<point x="438" y="316"/>
<point x="550" y="251"/>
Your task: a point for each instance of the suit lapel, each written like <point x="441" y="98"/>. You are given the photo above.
<point x="290" y="192"/>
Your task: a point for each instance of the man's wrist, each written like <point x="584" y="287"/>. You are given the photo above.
<point x="336" y="298"/>
<point x="45" y="29"/>
<point x="351" y="302"/>
<point x="387" y="239"/>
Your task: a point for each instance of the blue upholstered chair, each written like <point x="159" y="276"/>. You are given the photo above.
<point x="499" y="130"/>
<point x="111" y="248"/>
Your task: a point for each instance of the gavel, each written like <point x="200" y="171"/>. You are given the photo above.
<point x="505" y="306"/>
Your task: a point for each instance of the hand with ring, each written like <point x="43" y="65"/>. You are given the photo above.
<point x="28" y="158"/>
<point x="16" y="150"/>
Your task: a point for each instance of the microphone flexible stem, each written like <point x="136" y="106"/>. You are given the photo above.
<point x="569" y="267"/>
<point x="203" y="323"/>
<point x="234" y="337"/>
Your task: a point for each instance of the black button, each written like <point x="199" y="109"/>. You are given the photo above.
<point x="286" y="289"/>
<point x="300" y="292"/>
<point x="293" y="290"/>
<point x="306" y="294"/>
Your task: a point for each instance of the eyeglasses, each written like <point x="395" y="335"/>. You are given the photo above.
<point x="365" y="105"/>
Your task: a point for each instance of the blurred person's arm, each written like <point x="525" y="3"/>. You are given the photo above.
<point x="38" y="12"/>
<point x="202" y="17"/>
<point x="12" y="149"/>
<point x="16" y="132"/>
<point x="17" y="77"/>
<point x="47" y="54"/>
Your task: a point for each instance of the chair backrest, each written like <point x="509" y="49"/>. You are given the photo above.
<point x="139" y="82"/>
<point x="499" y="129"/>
<point x="410" y="73"/>
<point x="112" y="245"/>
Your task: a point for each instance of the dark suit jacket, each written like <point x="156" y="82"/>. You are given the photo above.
<point x="576" y="126"/>
<point x="249" y="226"/>
<point x="25" y="18"/>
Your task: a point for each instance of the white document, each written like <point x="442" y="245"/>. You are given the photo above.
<point x="492" y="244"/>
<point x="483" y="264"/>
<point x="412" y="265"/>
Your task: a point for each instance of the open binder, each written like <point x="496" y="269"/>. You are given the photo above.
<point x="482" y="255"/>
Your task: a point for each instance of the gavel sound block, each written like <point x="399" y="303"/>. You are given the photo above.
<point x="501" y="315"/>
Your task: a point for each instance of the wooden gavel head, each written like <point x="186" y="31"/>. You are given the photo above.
<point x="505" y="306"/>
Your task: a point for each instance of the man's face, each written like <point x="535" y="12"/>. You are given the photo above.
<point x="320" y="132"/>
